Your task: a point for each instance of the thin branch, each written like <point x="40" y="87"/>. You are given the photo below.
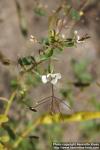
<point x="3" y="99"/>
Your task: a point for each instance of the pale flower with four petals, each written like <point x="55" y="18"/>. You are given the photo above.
<point x="51" y="77"/>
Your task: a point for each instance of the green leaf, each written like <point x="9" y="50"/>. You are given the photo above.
<point x="3" y="118"/>
<point x="45" y="41"/>
<point x="26" y="60"/>
<point x="42" y="58"/>
<point x="40" y="11"/>
<point x="49" y="53"/>
<point x="75" y="14"/>
<point x="10" y="132"/>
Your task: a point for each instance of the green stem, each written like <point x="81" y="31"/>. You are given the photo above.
<point x="10" y="103"/>
<point x="26" y="132"/>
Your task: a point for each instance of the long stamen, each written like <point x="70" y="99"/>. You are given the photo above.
<point x="43" y="99"/>
<point x="57" y="104"/>
<point x="40" y="103"/>
<point x="59" y="108"/>
<point x="61" y="101"/>
<point x="52" y="107"/>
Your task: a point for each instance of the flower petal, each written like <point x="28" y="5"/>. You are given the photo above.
<point x="58" y="75"/>
<point x="54" y="81"/>
<point x="44" y="79"/>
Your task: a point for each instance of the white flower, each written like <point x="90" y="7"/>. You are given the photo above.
<point x="44" y="79"/>
<point x="52" y="78"/>
<point x="33" y="39"/>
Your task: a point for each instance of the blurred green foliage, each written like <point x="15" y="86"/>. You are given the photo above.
<point x="80" y="70"/>
<point x="90" y="129"/>
<point x="67" y="93"/>
<point x="75" y="14"/>
<point x="40" y="11"/>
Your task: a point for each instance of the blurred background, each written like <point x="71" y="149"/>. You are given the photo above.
<point x="19" y="19"/>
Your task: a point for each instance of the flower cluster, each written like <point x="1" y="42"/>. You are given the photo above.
<point x="52" y="78"/>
